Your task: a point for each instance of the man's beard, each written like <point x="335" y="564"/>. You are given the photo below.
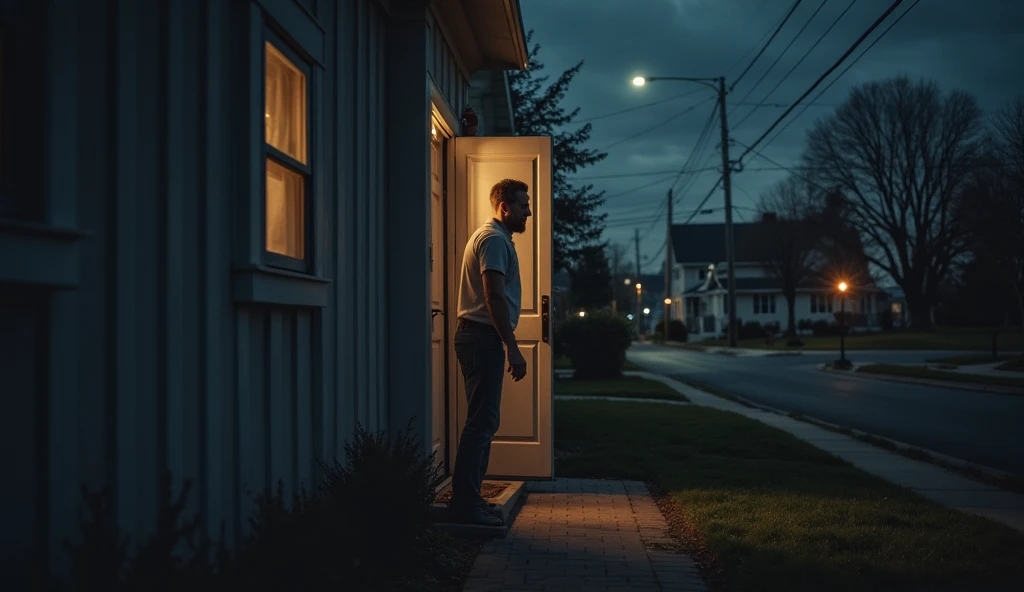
<point x="520" y="227"/>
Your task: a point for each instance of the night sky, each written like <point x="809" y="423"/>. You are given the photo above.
<point x="976" y="46"/>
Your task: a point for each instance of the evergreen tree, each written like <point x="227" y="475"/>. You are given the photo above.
<point x="538" y="112"/>
<point x="591" y="279"/>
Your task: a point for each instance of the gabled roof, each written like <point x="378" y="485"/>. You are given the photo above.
<point x="705" y="243"/>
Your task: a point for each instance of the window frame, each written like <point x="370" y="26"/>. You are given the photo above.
<point x="307" y="171"/>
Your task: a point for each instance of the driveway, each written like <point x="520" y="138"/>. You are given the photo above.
<point x="983" y="428"/>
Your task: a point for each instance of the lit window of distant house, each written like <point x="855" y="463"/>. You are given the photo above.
<point x="286" y="154"/>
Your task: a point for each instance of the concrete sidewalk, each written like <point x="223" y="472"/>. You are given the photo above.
<point x="585" y="535"/>
<point x="931" y="481"/>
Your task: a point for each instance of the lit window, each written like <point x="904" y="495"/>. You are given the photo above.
<point x="286" y="147"/>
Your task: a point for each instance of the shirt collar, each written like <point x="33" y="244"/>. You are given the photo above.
<point x="495" y="223"/>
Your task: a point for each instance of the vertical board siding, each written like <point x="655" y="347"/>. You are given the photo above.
<point x="168" y="373"/>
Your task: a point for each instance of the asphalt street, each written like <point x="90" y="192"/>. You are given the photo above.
<point x="979" y="427"/>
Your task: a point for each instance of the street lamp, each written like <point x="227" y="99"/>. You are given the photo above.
<point x="583" y="313"/>
<point x="639" y="301"/>
<point x="668" y="312"/>
<point x="842" y="363"/>
<point x="717" y="85"/>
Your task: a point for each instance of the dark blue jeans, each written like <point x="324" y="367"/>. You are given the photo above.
<point x="481" y="356"/>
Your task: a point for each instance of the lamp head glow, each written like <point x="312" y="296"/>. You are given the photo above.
<point x="843" y="287"/>
<point x="639" y="81"/>
<point x="668" y="301"/>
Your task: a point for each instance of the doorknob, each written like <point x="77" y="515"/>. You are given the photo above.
<point x="436" y="311"/>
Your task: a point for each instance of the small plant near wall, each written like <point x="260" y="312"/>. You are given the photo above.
<point x="367" y="527"/>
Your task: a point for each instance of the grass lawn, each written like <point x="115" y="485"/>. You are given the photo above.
<point x="969" y="360"/>
<point x="765" y="511"/>
<point x="632" y="387"/>
<point x="564" y="363"/>
<point x="955" y="339"/>
<point x="1012" y="365"/>
<point x="922" y="372"/>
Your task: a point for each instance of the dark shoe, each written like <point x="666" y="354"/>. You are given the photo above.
<point x="477" y="516"/>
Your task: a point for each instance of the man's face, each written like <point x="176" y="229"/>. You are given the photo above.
<point x="515" y="212"/>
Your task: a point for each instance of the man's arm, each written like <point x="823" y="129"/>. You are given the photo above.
<point x="497" y="306"/>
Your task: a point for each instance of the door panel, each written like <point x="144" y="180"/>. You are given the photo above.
<point x="438" y="302"/>
<point x="523" y="445"/>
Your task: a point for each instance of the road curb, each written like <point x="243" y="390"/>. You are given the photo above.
<point x="934" y="458"/>
<point x="960" y="386"/>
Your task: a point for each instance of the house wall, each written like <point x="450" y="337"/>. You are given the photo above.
<point x="143" y="333"/>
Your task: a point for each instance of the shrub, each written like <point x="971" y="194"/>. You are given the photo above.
<point x="804" y="325"/>
<point x="597" y="344"/>
<point x="885" y="320"/>
<point x="750" y="330"/>
<point x="676" y="330"/>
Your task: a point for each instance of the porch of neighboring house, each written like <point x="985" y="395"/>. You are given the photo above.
<point x="761" y="301"/>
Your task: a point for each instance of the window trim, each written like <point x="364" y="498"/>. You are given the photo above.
<point x="307" y="170"/>
<point x="261" y="277"/>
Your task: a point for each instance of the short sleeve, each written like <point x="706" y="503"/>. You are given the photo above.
<point x="493" y="255"/>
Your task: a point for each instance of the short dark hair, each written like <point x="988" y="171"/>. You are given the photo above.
<point x="506" y="189"/>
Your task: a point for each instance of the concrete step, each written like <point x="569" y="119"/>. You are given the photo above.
<point x="507" y="502"/>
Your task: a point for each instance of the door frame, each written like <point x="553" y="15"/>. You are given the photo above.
<point x="450" y="261"/>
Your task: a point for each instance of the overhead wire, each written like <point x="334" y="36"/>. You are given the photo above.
<point x="765" y="46"/>
<point x="659" y="125"/>
<point x="834" y="66"/>
<point x="638" y="107"/>
<point x="845" y="70"/>
<point x="774" y="63"/>
<point x="807" y="54"/>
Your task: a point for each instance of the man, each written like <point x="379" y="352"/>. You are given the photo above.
<point x="490" y="296"/>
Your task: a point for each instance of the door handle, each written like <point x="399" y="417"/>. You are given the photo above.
<point x="545" y="318"/>
<point x="436" y="311"/>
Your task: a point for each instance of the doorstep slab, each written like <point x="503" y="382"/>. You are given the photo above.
<point x="506" y="503"/>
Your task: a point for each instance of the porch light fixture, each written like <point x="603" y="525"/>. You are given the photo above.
<point x="629" y="316"/>
<point x="583" y="313"/>
<point x="639" y="81"/>
<point x="638" y="287"/>
<point x="647" y="311"/>
<point x="668" y="301"/>
<point x="628" y="281"/>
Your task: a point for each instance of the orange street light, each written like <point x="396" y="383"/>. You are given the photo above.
<point x="842" y="363"/>
<point x="843" y="286"/>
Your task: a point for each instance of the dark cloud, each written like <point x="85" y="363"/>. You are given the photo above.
<point x="973" y="46"/>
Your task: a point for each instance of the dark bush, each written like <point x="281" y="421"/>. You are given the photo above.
<point x="676" y="330"/>
<point x="751" y="330"/>
<point x="804" y="325"/>
<point x="366" y="528"/>
<point x="385" y="489"/>
<point x="885" y="320"/>
<point x="597" y="344"/>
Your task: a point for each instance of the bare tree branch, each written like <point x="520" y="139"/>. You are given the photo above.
<point x="901" y="153"/>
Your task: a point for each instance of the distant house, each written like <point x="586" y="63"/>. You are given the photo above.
<point x="700" y="286"/>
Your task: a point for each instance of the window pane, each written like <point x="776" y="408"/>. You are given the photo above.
<point x="285" y="105"/>
<point x="285" y="211"/>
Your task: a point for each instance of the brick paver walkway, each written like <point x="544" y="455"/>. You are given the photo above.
<point x="584" y="534"/>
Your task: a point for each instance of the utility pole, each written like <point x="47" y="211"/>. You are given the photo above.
<point x="639" y="317"/>
<point x="668" y="267"/>
<point x="730" y="257"/>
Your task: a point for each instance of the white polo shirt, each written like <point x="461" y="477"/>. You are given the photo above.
<point x="489" y="248"/>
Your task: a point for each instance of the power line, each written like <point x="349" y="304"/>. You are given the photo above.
<point x="639" y="187"/>
<point x="704" y="201"/>
<point x="801" y="60"/>
<point x="777" y="60"/>
<point x="698" y="147"/>
<point x="625" y="175"/>
<point x="651" y="129"/>
<point x="763" y="48"/>
<point x="823" y="76"/>
<point x="845" y="70"/>
<point x="645" y="106"/>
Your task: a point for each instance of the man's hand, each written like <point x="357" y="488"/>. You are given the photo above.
<point x="516" y="364"/>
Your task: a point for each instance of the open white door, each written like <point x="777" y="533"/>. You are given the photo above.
<point x="523" y="447"/>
